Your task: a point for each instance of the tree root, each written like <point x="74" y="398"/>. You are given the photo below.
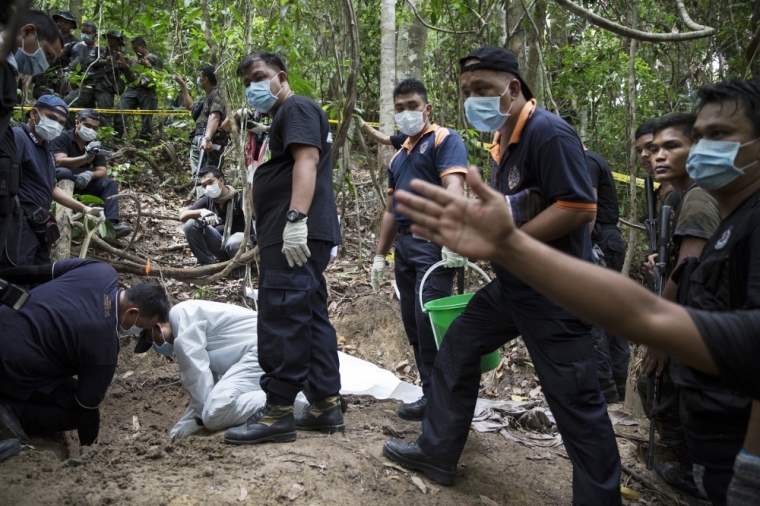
<point x="139" y="213"/>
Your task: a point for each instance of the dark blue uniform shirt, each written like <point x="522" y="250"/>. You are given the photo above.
<point x="545" y="153"/>
<point x="66" y="328"/>
<point x="37" y="168"/>
<point x="437" y="153"/>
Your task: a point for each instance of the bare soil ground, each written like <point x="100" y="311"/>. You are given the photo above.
<point x="135" y="462"/>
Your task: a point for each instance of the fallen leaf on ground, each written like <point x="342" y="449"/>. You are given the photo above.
<point x="128" y="374"/>
<point x="622" y="418"/>
<point x="629" y="494"/>
<point x="135" y="423"/>
<point x="488" y="501"/>
<point x="295" y="490"/>
<point x="434" y="491"/>
<point x="420" y="484"/>
<point x="519" y="398"/>
<point x="341" y="340"/>
<point x="390" y="431"/>
<point x="542" y="456"/>
<point x="243" y="493"/>
<point x="394" y="466"/>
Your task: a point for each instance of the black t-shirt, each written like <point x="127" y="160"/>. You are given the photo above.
<point x="299" y="120"/>
<point x="8" y="100"/>
<point x="66" y="328"/>
<point x="238" y="217"/>
<point x="733" y="339"/>
<point x="66" y="143"/>
<point x="607" y="212"/>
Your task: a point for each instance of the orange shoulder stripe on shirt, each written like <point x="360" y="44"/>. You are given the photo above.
<point x="453" y="170"/>
<point x="576" y="206"/>
<point x="525" y="115"/>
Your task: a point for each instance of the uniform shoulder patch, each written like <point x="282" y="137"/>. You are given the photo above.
<point x="513" y="177"/>
<point x="724" y="238"/>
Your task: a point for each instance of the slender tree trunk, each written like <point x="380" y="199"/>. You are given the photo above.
<point x="500" y="20"/>
<point x="632" y="401"/>
<point x="62" y="247"/>
<point x="387" y="74"/>
<point x="410" y="45"/>
<point x="75" y="6"/>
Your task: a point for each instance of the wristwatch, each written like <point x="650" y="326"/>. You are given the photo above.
<point x="207" y="138"/>
<point x="294" y="215"/>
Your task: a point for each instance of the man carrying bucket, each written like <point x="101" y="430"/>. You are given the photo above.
<point x="437" y="155"/>
<point x="536" y="150"/>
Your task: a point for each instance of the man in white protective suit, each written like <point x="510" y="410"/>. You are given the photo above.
<point x="216" y="347"/>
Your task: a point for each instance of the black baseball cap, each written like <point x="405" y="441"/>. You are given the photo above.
<point x="90" y="113"/>
<point x="142" y="344"/>
<point x="497" y="59"/>
<point x="68" y="16"/>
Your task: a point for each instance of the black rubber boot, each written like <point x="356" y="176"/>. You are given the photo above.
<point x="413" y="411"/>
<point x="270" y="424"/>
<point x="325" y="416"/>
<point x="679" y="477"/>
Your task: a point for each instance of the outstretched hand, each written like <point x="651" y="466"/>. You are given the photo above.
<point x="476" y="229"/>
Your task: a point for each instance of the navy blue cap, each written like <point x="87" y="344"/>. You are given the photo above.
<point x="497" y="59"/>
<point x="51" y="102"/>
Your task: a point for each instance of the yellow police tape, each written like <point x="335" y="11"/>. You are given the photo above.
<point x="135" y="112"/>
<point x="169" y="112"/>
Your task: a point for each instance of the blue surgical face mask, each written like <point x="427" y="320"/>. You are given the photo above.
<point x="711" y="163"/>
<point x="165" y="349"/>
<point x="260" y="96"/>
<point x="87" y="38"/>
<point x="31" y="64"/>
<point x="410" y="122"/>
<point x="485" y="112"/>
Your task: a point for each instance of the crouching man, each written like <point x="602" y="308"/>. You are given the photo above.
<point x="215" y="225"/>
<point x="58" y="353"/>
<point x="216" y="348"/>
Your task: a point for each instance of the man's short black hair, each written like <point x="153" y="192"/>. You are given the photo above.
<point x="645" y="128"/>
<point x="210" y="169"/>
<point x="89" y="24"/>
<point x="47" y="29"/>
<point x="150" y="299"/>
<point x="411" y="85"/>
<point x="209" y="72"/>
<point x="744" y="93"/>
<point x="683" y="121"/>
<point x="138" y="41"/>
<point x="271" y="59"/>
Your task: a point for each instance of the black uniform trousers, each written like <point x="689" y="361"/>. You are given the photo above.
<point x="58" y="411"/>
<point x="612" y="353"/>
<point x="102" y="188"/>
<point x="563" y="354"/>
<point x="297" y="342"/>
<point x="413" y="257"/>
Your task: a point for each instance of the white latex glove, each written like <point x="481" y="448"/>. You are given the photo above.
<point x="83" y="179"/>
<point x="184" y="428"/>
<point x="257" y="127"/>
<point x="294" y="242"/>
<point x="359" y="120"/>
<point x="209" y="217"/>
<point x="97" y="212"/>
<point x="452" y="259"/>
<point x="376" y="275"/>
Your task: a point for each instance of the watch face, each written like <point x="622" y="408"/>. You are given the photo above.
<point x="292" y="215"/>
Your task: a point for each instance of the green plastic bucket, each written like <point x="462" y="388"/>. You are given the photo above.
<point x="443" y="311"/>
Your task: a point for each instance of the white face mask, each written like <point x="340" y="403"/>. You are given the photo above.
<point x="410" y="122"/>
<point x="213" y="190"/>
<point x="87" y="134"/>
<point x="47" y="128"/>
<point x="134" y="330"/>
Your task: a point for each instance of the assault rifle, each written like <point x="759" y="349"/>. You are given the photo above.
<point x="650" y="221"/>
<point x="660" y="280"/>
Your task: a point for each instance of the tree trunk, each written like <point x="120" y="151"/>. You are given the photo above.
<point x="75" y="6"/>
<point x="500" y="20"/>
<point x="523" y="43"/>
<point x="410" y="45"/>
<point x="387" y="73"/>
<point x="62" y="247"/>
<point x="632" y="401"/>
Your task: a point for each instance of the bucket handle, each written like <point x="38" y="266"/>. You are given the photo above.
<point x="440" y="264"/>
